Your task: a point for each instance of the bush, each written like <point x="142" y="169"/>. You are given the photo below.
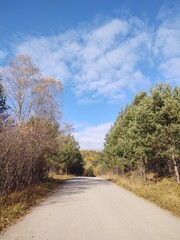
<point x="22" y="159"/>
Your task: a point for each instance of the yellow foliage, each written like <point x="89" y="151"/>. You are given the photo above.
<point x="90" y="155"/>
<point x="89" y="158"/>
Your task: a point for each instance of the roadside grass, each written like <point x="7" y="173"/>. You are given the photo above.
<point x="165" y="193"/>
<point x="60" y="177"/>
<point x="18" y="203"/>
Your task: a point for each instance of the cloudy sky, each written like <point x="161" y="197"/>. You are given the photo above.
<point x="104" y="51"/>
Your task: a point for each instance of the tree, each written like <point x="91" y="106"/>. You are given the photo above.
<point x="91" y="160"/>
<point x="28" y="91"/>
<point x="3" y="106"/>
<point x="23" y="152"/>
<point x="140" y="133"/>
<point x="67" y="158"/>
<point x="27" y="142"/>
<point x="146" y="135"/>
<point x="166" y="107"/>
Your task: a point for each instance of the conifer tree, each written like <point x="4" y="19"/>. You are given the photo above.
<point x="146" y="136"/>
<point x="3" y="106"/>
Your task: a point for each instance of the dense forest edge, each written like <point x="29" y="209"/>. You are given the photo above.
<point x="142" y="148"/>
<point x="145" y="137"/>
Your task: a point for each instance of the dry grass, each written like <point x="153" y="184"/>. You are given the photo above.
<point x="18" y="203"/>
<point x="60" y="177"/>
<point x="164" y="193"/>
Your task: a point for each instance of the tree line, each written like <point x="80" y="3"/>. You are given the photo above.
<point x="146" y="135"/>
<point x="92" y="162"/>
<point x="33" y="139"/>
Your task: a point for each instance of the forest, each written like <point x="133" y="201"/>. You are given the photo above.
<point x="145" y="138"/>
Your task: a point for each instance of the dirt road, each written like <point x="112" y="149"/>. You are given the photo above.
<point x="95" y="209"/>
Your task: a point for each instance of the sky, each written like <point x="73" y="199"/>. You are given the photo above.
<point x="104" y="51"/>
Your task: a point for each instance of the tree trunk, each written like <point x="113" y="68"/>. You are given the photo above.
<point x="176" y="170"/>
<point x="177" y="173"/>
<point x="143" y="170"/>
<point x="144" y="174"/>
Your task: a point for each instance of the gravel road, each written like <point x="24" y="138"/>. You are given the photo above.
<point x="94" y="209"/>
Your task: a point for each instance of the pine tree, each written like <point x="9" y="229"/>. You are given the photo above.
<point x="146" y="135"/>
<point x="3" y="106"/>
<point x="166" y="105"/>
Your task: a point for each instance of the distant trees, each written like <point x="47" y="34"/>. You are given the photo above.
<point x="146" y="135"/>
<point x="67" y="159"/>
<point x="92" y="162"/>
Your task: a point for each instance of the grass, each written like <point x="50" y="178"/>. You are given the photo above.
<point x="60" y="177"/>
<point x="165" y="193"/>
<point x="18" y="203"/>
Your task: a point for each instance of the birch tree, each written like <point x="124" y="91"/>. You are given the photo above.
<point x="28" y="91"/>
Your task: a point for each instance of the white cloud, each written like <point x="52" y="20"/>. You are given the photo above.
<point x="167" y="45"/>
<point x="115" y="63"/>
<point x="167" y="41"/>
<point x="47" y="54"/>
<point x="112" y="59"/>
<point x="101" y="62"/>
<point x="3" y="54"/>
<point x="92" y="137"/>
<point x="171" y="70"/>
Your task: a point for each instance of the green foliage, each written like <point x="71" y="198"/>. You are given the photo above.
<point x="146" y="135"/>
<point x="3" y="106"/>
<point x="89" y="171"/>
<point x="67" y="159"/>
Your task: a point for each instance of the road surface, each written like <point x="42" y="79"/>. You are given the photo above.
<point x="94" y="209"/>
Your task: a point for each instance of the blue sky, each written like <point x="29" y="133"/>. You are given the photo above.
<point x="104" y="51"/>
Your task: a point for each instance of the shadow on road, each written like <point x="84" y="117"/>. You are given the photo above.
<point x="75" y="186"/>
